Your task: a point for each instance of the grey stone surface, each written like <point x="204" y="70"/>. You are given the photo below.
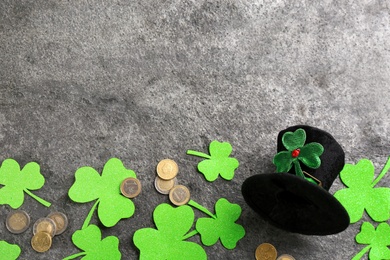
<point x="84" y="81"/>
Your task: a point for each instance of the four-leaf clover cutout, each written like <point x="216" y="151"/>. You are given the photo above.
<point x="89" y="240"/>
<point x="360" y="193"/>
<point x="105" y="189"/>
<point x="223" y="226"/>
<point x="297" y="151"/>
<point x="9" y="251"/>
<point x="218" y="162"/>
<point x="18" y="181"/>
<point x="168" y="240"/>
<point x="377" y="240"/>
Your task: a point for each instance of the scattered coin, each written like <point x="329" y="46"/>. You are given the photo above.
<point x="179" y="195"/>
<point x="60" y="220"/>
<point x="41" y="242"/>
<point x="266" y="251"/>
<point x="131" y="187"/>
<point x="164" y="186"/>
<point x="17" y="221"/>
<point x="46" y="225"/>
<point x="285" y="257"/>
<point x="167" y="169"/>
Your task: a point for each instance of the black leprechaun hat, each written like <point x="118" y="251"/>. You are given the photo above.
<point x="296" y="197"/>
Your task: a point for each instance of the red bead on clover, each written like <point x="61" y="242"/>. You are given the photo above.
<point x="295" y="153"/>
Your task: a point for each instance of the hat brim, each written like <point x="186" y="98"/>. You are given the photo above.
<point x="292" y="203"/>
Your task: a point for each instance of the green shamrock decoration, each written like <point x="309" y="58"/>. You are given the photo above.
<point x="17" y="182"/>
<point x="168" y="240"/>
<point x="360" y="193"/>
<point x="377" y="240"/>
<point x="218" y="162"/>
<point x="222" y="226"/>
<point x="89" y="240"/>
<point x="105" y="189"/>
<point x="9" y="251"/>
<point x="297" y="151"/>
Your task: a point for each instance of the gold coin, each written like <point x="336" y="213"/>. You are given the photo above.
<point x="164" y="186"/>
<point x="266" y="251"/>
<point x="41" y="242"/>
<point x="60" y="220"/>
<point x="179" y="195"/>
<point x="131" y="187"/>
<point x="167" y="169"/>
<point x="46" y="225"/>
<point x="17" y="221"/>
<point x="285" y="257"/>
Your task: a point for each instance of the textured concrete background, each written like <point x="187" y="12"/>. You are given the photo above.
<point x="84" y="81"/>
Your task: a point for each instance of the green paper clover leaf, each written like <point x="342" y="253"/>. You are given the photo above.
<point x="90" y="185"/>
<point x="360" y="193"/>
<point x="167" y="241"/>
<point x="377" y="240"/>
<point x="222" y="227"/>
<point x="89" y="240"/>
<point x="9" y="251"/>
<point x="308" y="154"/>
<point x="17" y="182"/>
<point x="218" y="162"/>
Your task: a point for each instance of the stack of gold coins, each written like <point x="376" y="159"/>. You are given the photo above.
<point x="166" y="182"/>
<point x="17" y="221"/>
<point x="45" y="229"/>
<point x="167" y="170"/>
<point x="267" y="251"/>
<point x="130" y="187"/>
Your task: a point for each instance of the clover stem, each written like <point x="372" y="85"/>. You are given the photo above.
<point x="74" y="256"/>
<point x="88" y="218"/>
<point x="201" y="208"/>
<point x="199" y="154"/>
<point x="298" y="170"/>
<point x="40" y="200"/>
<point x="190" y="234"/>
<point x="383" y="172"/>
<point x="361" y="253"/>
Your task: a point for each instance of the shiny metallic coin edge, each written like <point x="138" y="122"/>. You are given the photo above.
<point x="165" y="192"/>
<point x="282" y="257"/>
<point x="159" y="166"/>
<point x="45" y="219"/>
<point x="177" y="187"/>
<point x="65" y="218"/>
<point x="49" y="246"/>
<point x="131" y="196"/>
<point x="14" y="212"/>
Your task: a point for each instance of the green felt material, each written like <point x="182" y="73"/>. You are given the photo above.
<point x="168" y="240"/>
<point x="309" y="154"/>
<point x="90" y="185"/>
<point x="9" y="251"/>
<point x="94" y="248"/>
<point x="17" y="182"/>
<point x="218" y="162"/>
<point x="377" y="240"/>
<point x="360" y="193"/>
<point x="223" y="226"/>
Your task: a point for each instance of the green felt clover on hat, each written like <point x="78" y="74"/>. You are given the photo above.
<point x="297" y="151"/>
